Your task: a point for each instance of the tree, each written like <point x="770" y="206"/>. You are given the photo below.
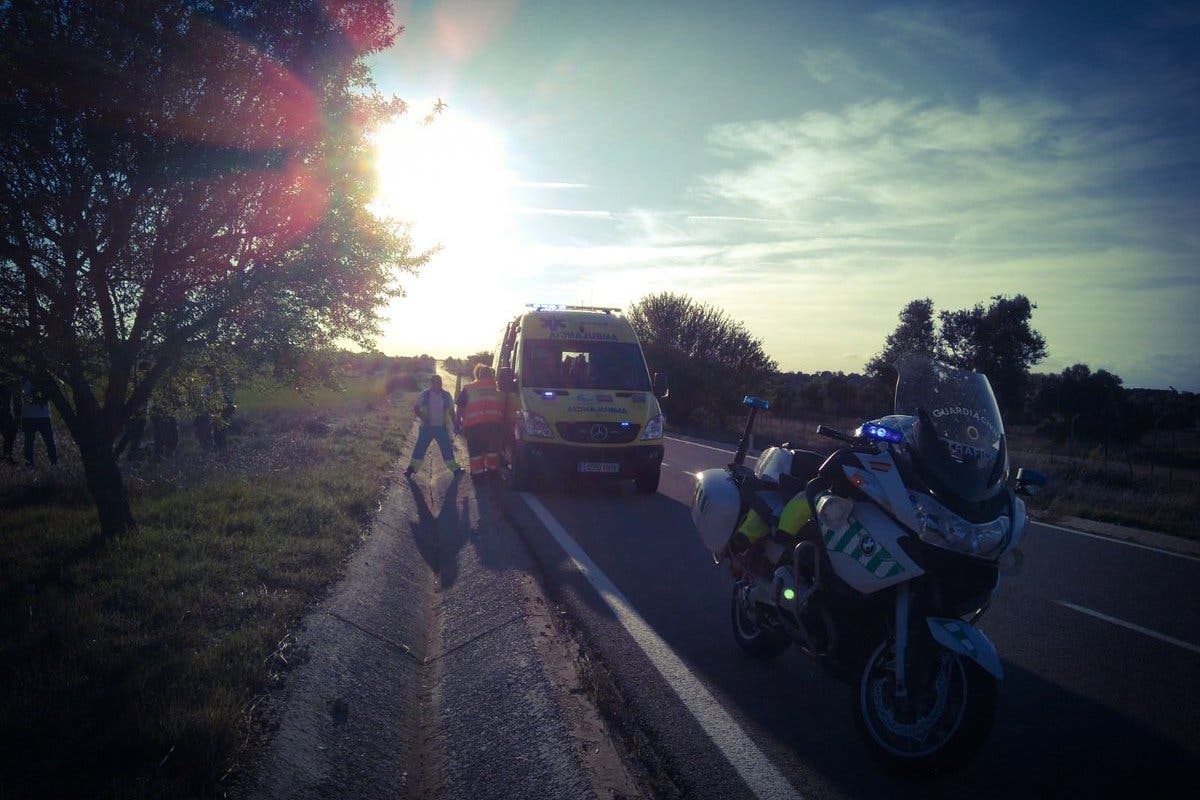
<point x="915" y="334"/>
<point x="1089" y="404"/>
<point x="997" y="341"/>
<point x="712" y="360"/>
<point x="179" y="178"/>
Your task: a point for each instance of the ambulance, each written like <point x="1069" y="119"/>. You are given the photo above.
<point x="578" y="397"/>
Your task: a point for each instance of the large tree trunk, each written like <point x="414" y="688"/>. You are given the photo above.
<point x="105" y="483"/>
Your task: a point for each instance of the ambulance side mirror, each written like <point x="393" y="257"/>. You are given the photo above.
<point x="661" y="390"/>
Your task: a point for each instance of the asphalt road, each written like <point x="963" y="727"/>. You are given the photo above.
<point x="1100" y="642"/>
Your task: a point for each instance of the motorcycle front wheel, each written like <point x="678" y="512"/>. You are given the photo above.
<point x="946" y="717"/>
<point x="757" y="640"/>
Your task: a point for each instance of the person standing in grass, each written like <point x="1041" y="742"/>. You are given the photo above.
<point x="435" y="409"/>
<point x="35" y="419"/>
<point x="481" y="415"/>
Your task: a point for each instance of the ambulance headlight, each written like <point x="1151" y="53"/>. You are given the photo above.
<point x="537" y="426"/>
<point x="654" y="428"/>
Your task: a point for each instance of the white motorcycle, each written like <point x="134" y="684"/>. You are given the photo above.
<point x="884" y="586"/>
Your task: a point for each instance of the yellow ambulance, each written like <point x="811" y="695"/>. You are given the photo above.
<point x="578" y="397"/>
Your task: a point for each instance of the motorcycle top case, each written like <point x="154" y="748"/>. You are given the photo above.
<point x="715" y="508"/>
<point x="773" y="463"/>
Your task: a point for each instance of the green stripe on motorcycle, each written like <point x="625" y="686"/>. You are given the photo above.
<point x="849" y="534"/>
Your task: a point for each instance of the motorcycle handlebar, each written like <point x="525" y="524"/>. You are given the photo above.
<point x="832" y="433"/>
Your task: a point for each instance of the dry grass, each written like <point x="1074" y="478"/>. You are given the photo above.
<point x="128" y="670"/>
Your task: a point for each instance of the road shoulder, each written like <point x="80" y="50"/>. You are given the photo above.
<point x="438" y="668"/>
<point x="1152" y="539"/>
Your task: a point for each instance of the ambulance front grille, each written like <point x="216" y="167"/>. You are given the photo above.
<point x="598" y="432"/>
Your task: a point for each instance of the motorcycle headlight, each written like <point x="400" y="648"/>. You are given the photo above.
<point x="942" y="528"/>
<point x="537" y="426"/>
<point x="833" y="512"/>
<point x="654" y="428"/>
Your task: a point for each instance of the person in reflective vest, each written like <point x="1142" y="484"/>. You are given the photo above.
<point x="481" y="416"/>
<point x="435" y="409"/>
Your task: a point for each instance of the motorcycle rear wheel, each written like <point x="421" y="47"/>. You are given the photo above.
<point x="952" y="716"/>
<point x="758" y="641"/>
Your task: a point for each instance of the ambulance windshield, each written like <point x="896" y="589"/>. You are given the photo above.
<point x="575" y="364"/>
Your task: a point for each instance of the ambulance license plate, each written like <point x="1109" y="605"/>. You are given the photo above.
<point x="599" y="466"/>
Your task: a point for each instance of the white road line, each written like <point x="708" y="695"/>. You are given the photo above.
<point x="1138" y="545"/>
<point x="1122" y="623"/>
<point x="705" y="446"/>
<point x="764" y="780"/>
<point x="751" y="456"/>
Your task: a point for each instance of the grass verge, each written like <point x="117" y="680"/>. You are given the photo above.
<point x="129" y="670"/>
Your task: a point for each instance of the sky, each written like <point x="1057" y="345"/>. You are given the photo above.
<point x="807" y="167"/>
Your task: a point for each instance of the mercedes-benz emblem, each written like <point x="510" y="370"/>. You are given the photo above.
<point x="599" y="432"/>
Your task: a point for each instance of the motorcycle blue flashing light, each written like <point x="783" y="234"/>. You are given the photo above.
<point x="881" y="433"/>
<point x="547" y="394"/>
<point x="626" y="424"/>
<point x="756" y="402"/>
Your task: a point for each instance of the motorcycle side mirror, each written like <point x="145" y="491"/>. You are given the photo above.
<point x="1029" y="481"/>
<point x="506" y="379"/>
<point x="661" y="389"/>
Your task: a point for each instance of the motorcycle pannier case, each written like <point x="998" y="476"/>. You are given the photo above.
<point x="716" y="507"/>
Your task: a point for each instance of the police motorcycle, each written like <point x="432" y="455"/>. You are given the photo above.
<point x="900" y="558"/>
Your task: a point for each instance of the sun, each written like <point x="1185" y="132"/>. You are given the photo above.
<point x="450" y="182"/>
<point x="447" y="176"/>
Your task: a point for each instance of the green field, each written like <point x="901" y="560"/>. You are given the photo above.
<point x="139" y="663"/>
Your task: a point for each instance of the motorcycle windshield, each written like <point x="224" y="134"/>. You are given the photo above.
<point x="958" y="436"/>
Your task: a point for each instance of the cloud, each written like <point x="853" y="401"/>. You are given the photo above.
<point x="1028" y="173"/>
<point x="831" y="65"/>
<point x="726" y="218"/>
<point x="581" y="213"/>
<point x="550" y="185"/>
<point x="959" y="33"/>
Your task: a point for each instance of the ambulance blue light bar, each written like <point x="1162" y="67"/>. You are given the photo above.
<point x="881" y="433"/>
<point x="561" y="307"/>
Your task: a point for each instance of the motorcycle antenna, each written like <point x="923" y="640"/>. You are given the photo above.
<point x="756" y="404"/>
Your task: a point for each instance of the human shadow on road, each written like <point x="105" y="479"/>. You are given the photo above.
<point x="440" y="530"/>
<point x="457" y="513"/>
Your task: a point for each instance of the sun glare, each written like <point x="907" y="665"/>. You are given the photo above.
<point x="448" y="178"/>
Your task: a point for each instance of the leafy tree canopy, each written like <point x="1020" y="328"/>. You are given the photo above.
<point x="184" y="177"/>
<point x="711" y="359"/>
<point x="997" y="340"/>
<point x="915" y="334"/>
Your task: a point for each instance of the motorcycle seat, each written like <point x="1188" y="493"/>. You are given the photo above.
<point x="805" y="463"/>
